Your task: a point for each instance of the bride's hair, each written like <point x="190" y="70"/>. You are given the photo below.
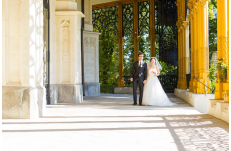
<point x="152" y="58"/>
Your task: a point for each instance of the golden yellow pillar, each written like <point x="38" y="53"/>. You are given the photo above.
<point x="187" y="45"/>
<point x="120" y="41"/>
<point x="203" y="55"/>
<point x="179" y="57"/>
<point x="191" y="6"/>
<point x="226" y="85"/>
<point x="222" y="88"/>
<point x="183" y="53"/>
<point x="196" y="44"/>
<point x="182" y="81"/>
<point x="152" y="34"/>
<point x="135" y="30"/>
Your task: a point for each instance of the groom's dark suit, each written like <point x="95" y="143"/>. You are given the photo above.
<point x="139" y="75"/>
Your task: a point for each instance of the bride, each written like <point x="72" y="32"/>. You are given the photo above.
<point x="153" y="93"/>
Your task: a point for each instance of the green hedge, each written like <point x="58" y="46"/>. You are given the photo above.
<point x="107" y="88"/>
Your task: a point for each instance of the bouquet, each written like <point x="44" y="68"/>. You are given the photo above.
<point x="154" y="72"/>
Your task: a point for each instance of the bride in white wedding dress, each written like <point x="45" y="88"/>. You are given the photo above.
<point x="153" y="93"/>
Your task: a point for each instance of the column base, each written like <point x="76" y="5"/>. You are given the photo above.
<point x="218" y="92"/>
<point x="66" y="93"/>
<point x="92" y="88"/>
<point x="23" y="102"/>
<point x="201" y="88"/>
<point x="179" y="84"/>
<point x="191" y="86"/>
<point x="195" y="86"/>
<point x="183" y="85"/>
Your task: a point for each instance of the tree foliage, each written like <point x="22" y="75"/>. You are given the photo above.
<point x="212" y="10"/>
<point x="108" y="58"/>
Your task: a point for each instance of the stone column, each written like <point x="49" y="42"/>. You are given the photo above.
<point x="196" y="54"/>
<point x="120" y="41"/>
<point x="184" y="57"/>
<point x="203" y="55"/>
<point x="68" y="53"/>
<point x="179" y="58"/>
<point x="152" y="34"/>
<point x="181" y="83"/>
<point x="226" y="84"/>
<point x="91" y="53"/>
<point x="222" y="88"/>
<point x="188" y="68"/>
<point x="23" y="93"/>
<point x="191" y="6"/>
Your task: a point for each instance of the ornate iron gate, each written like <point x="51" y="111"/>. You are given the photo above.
<point x="105" y="20"/>
<point x="166" y="30"/>
<point x="46" y="50"/>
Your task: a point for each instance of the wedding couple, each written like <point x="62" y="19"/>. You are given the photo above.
<point x="151" y="91"/>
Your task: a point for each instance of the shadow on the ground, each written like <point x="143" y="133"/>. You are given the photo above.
<point x="190" y="132"/>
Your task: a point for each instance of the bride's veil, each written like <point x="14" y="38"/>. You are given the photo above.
<point x="156" y="63"/>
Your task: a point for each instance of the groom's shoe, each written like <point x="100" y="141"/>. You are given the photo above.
<point x="134" y="103"/>
<point x="140" y="105"/>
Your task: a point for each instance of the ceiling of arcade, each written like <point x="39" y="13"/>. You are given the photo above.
<point x="96" y="4"/>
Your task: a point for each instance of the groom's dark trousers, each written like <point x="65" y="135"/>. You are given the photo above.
<point x="139" y="74"/>
<point x="141" y="86"/>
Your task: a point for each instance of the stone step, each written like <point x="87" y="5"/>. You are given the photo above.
<point x="80" y="126"/>
<point x="83" y="120"/>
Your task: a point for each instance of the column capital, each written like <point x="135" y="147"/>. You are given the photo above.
<point x="190" y="4"/>
<point x="196" y="6"/>
<point x="203" y="3"/>
<point x="185" y="24"/>
<point x="192" y="13"/>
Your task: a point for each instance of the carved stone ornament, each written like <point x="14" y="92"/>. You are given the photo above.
<point x="90" y="41"/>
<point x="65" y="23"/>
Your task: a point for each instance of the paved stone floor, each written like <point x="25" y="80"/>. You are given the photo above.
<point x="111" y="123"/>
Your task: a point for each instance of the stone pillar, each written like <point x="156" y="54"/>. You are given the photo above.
<point x="179" y="82"/>
<point x="23" y="93"/>
<point x="203" y="55"/>
<point x="68" y="53"/>
<point x="91" y="53"/>
<point x="188" y="68"/>
<point x="91" y="63"/>
<point x="222" y="88"/>
<point x="191" y="6"/>
<point x="120" y="41"/>
<point x="152" y="34"/>
<point x="196" y="50"/>
<point x="184" y="57"/>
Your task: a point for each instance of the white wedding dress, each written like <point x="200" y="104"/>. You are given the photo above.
<point x="153" y="93"/>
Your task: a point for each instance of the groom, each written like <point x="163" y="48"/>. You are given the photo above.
<point x="140" y="75"/>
